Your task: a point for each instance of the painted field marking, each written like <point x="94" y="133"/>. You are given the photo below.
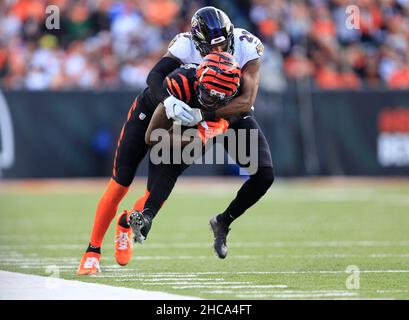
<point x="229" y="286"/>
<point x="256" y="272"/>
<point x="18" y="286"/>
<point x="196" y="245"/>
<point x="298" y="295"/>
<point x="392" y="291"/>
<point x="210" y="283"/>
<point x="39" y="262"/>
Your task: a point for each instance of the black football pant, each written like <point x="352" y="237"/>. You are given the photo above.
<point x="131" y="147"/>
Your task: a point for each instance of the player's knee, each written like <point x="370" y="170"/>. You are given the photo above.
<point x="169" y="179"/>
<point x="264" y="177"/>
<point x="124" y="176"/>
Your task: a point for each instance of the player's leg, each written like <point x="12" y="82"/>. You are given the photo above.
<point x="140" y="202"/>
<point x="136" y="140"/>
<point x="161" y="180"/>
<point x="130" y="151"/>
<point x="252" y="190"/>
<point x="123" y="219"/>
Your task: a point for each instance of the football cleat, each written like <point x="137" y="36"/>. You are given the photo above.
<point x="140" y="226"/>
<point x="123" y="243"/>
<point x="89" y="264"/>
<point x="220" y="231"/>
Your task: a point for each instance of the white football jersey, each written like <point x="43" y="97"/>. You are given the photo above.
<point x="246" y="47"/>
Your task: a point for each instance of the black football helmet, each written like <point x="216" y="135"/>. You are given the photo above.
<point x="210" y="28"/>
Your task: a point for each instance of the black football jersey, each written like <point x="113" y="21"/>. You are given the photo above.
<point x="181" y="84"/>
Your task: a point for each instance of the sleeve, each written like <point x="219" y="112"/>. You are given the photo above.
<point x="181" y="47"/>
<point x="177" y="84"/>
<point x="252" y="50"/>
<point x="158" y="73"/>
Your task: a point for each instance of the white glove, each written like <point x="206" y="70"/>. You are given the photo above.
<point x="178" y="110"/>
<point x="197" y="117"/>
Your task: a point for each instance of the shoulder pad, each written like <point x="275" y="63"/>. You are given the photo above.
<point x="181" y="46"/>
<point x="249" y="47"/>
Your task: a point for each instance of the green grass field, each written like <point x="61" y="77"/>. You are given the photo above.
<point x="297" y="243"/>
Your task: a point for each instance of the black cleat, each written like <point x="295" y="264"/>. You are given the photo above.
<point x="220" y="231"/>
<point x="140" y="226"/>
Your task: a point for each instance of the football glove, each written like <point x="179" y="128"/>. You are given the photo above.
<point x="198" y="117"/>
<point x="209" y="129"/>
<point x="178" y="110"/>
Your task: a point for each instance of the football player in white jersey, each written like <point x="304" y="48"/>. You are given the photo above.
<point x="211" y="30"/>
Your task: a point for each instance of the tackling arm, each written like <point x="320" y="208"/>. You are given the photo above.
<point x="243" y="103"/>
<point x="166" y="65"/>
<point x="175" y="108"/>
<point x="160" y="121"/>
<point x="250" y="80"/>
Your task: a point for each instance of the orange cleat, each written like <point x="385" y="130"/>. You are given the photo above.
<point x="89" y="264"/>
<point x="123" y="242"/>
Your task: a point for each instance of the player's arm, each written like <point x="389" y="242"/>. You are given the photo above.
<point x="175" y="108"/>
<point x="243" y="103"/>
<point x="160" y="121"/>
<point x="166" y="65"/>
<point x="250" y="79"/>
<point x="176" y="87"/>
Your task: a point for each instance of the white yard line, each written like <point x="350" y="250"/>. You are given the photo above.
<point x="298" y="295"/>
<point x="196" y="245"/>
<point x="213" y="286"/>
<point x="68" y="263"/>
<point x="392" y="291"/>
<point x="17" y="286"/>
<point x="188" y="283"/>
<point x="220" y="273"/>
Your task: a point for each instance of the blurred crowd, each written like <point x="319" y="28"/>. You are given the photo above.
<point x="109" y="44"/>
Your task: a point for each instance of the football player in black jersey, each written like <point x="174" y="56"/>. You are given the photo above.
<point x="211" y="30"/>
<point x="189" y="84"/>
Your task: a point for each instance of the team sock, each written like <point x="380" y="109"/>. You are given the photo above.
<point x="123" y="221"/>
<point x="106" y="211"/>
<point x="91" y="248"/>
<point x="140" y="203"/>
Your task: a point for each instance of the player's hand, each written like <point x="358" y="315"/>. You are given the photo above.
<point x="209" y="129"/>
<point x="178" y="110"/>
<point x="197" y="117"/>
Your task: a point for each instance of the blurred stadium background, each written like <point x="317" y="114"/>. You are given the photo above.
<point x="333" y="102"/>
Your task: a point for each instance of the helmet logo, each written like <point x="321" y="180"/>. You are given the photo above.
<point x="217" y="40"/>
<point x="194" y="23"/>
<point x="220" y="95"/>
<point x="196" y="29"/>
<point x="260" y="49"/>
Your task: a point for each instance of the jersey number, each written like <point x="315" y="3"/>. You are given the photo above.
<point x="246" y="35"/>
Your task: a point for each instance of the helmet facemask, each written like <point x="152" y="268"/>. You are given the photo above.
<point x="212" y="99"/>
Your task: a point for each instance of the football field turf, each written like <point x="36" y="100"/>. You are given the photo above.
<point x="296" y="243"/>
